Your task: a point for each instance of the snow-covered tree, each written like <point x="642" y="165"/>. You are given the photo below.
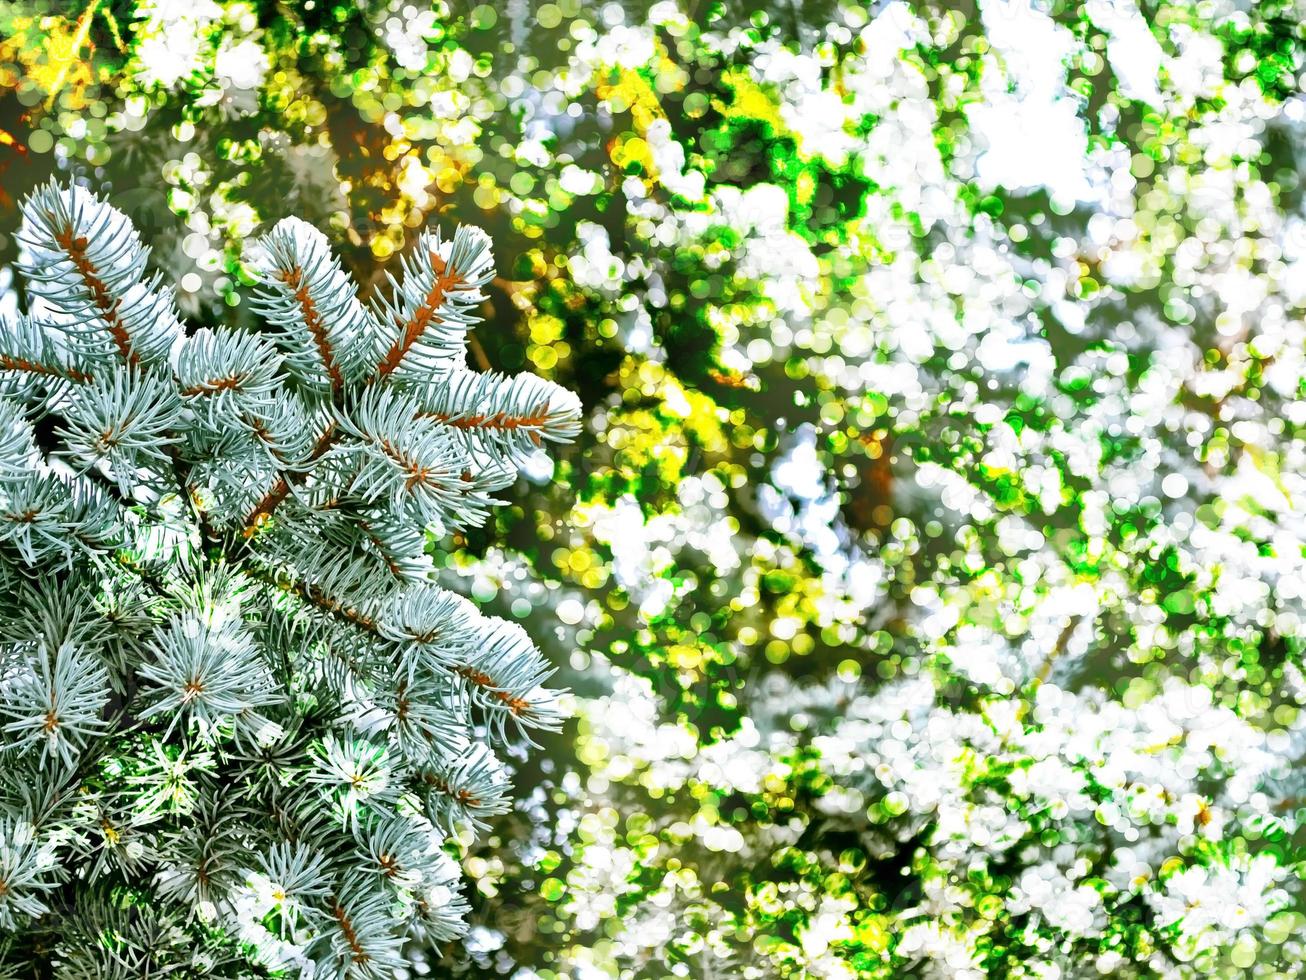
<point x="239" y="718"/>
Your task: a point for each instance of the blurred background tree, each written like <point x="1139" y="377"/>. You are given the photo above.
<point x="936" y="358"/>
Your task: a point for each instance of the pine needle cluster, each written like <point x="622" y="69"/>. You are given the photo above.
<point x="238" y="719"/>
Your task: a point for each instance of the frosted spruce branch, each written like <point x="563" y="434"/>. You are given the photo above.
<point x="238" y="717"/>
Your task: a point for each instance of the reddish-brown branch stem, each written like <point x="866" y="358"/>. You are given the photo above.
<point x="422" y="317"/>
<point x="104" y="300"/>
<point x="417" y="473"/>
<point x="501" y="420"/>
<point x="35" y="367"/>
<point x="294" y="278"/>
<point x="357" y="953"/>
<point x="228" y="383"/>
<point x="463" y="796"/>
<point x="281" y="489"/>
<point x="320" y="599"/>
<point x="390" y="563"/>
<point x="486" y="682"/>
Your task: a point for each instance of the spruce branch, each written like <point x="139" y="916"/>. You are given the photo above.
<point x="429" y="309"/>
<point x="237" y="715"/>
<point x="324" y="328"/>
<point x="29" y="352"/>
<point x="527" y="412"/>
<point x="86" y="266"/>
<point x="281" y="486"/>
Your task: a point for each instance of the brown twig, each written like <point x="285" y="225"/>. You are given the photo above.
<point x="294" y="278"/>
<point x="104" y="300"/>
<point x="426" y="314"/>
<point x="281" y="488"/>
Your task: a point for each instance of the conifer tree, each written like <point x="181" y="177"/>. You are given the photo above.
<point x="238" y="718"/>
